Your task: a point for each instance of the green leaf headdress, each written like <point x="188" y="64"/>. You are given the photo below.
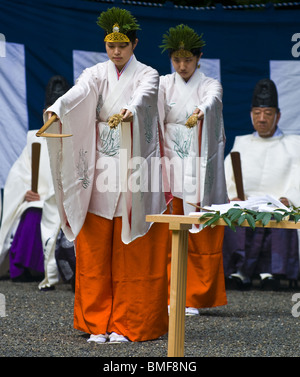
<point x="181" y="40"/>
<point x="117" y="23"/>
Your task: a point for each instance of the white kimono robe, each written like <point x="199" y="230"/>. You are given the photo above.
<point x="197" y="154"/>
<point x="269" y="166"/>
<point x="89" y="169"/>
<point x="17" y="184"/>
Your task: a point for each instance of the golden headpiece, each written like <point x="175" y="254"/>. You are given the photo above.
<point x="181" y="40"/>
<point x="117" y="23"/>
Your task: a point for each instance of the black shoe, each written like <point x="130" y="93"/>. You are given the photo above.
<point x="234" y="282"/>
<point x="269" y="284"/>
<point x="25" y="277"/>
<point x="293" y="284"/>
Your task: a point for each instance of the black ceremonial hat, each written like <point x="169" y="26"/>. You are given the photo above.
<point x="56" y="87"/>
<point x="265" y="94"/>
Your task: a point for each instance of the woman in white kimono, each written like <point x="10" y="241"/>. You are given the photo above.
<point x="190" y="109"/>
<point x="121" y="260"/>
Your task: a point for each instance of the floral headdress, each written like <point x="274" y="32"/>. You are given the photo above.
<point x="117" y="23"/>
<point x="181" y="40"/>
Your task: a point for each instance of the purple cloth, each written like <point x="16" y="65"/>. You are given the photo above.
<point x="26" y="251"/>
<point x="263" y="250"/>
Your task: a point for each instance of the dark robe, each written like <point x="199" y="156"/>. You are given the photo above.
<point x="263" y="250"/>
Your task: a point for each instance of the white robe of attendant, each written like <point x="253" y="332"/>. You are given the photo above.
<point x="88" y="168"/>
<point x="17" y="184"/>
<point x="195" y="170"/>
<point x="269" y="166"/>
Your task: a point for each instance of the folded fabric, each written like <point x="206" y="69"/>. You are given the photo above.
<point x="265" y="203"/>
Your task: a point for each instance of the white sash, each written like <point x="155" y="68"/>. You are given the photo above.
<point x="111" y="106"/>
<point x="125" y="156"/>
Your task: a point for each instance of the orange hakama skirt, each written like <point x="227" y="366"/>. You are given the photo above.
<point x="121" y="288"/>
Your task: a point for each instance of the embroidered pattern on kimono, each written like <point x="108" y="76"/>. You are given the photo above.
<point x="109" y="141"/>
<point x="182" y="141"/>
<point x="82" y="168"/>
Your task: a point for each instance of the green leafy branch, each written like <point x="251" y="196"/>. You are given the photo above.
<point x="236" y="216"/>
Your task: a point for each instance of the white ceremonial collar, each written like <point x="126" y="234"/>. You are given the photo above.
<point x="180" y="81"/>
<point x="277" y="133"/>
<point x="119" y="73"/>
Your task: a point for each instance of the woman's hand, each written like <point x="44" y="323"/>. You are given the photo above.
<point x="50" y="114"/>
<point x="127" y="115"/>
<point x="200" y="114"/>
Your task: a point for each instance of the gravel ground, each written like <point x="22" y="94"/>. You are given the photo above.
<point x="255" y="323"/>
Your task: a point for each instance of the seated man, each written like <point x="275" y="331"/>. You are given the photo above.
<point x="270" y="162"/>
<point x="31" y="223"/>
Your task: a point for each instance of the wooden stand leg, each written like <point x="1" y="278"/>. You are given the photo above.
<point x="178" y="290"/>
<point x="179" y="225"/>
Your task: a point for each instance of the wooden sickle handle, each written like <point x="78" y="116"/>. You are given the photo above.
<point x="41" y="131"/>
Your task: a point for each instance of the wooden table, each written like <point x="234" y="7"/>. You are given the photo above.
<point x="180" y="225"/>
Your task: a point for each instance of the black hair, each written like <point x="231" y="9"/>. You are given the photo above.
<point x="194" y="51"/>
<point x="56" y="87"/>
